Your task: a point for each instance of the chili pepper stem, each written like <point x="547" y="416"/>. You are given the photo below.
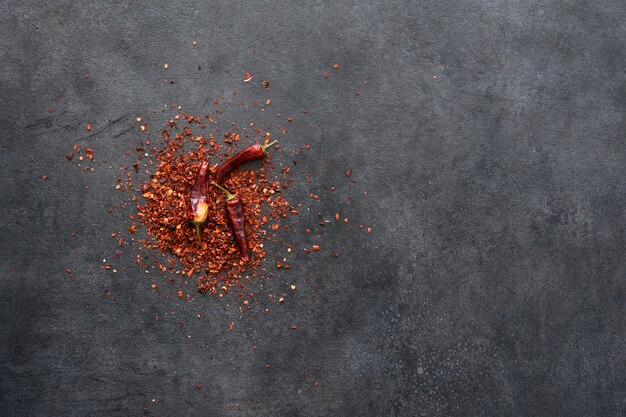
<point x="272" y="143"/>
<point x="229" y="195"/>
<point x="197" y="226"/>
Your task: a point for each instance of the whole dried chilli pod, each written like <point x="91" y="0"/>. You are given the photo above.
<point x="251" y="153"/>
<point x="234" y="210"/>
<point x="199" y="205"/>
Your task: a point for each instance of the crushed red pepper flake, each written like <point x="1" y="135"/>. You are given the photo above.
<point x="215" y="260"/>
<point x="89" y="153"/>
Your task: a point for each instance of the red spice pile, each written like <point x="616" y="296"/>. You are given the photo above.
<point x="166" y="211"/>
<point x="172" y="161"/>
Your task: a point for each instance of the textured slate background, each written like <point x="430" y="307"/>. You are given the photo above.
<point x="493" y="281"/>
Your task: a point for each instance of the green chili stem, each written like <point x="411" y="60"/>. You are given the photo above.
<point x="264" y="147"/>
<point x="197" y="226"/>
<point x="229" y="195"/>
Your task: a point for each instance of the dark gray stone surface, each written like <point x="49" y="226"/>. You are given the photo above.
<point x="493" y="281"/>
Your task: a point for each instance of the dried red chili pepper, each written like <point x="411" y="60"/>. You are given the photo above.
<point x="234" y="209"/>
<point x="199" y="206"/>
<point x="251" y="153"/>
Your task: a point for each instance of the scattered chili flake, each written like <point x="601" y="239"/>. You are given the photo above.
<point x="171" y="165"/>
<point x="266" y="84"/>
<point x="45" y="177"/>
<point x="165" y="216"/>
<point x="349" y="173"/>
<point x="68" y="271"/>
<point x="70" y="156"/>
<point x="166" y="66"/>
<point x="247" y="77"/>
<point x="50" y="109"/>
<point x="198" y="386"/>
<point x="89" y="127"/>
<point x="325" y="74"/>
<point x="294" y="327"/>
<point x="336" y="66"/>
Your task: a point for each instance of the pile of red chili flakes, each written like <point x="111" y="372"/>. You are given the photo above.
<point x="165" y="213"/>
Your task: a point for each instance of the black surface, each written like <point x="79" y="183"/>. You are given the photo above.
<point x="492" y="283"/>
